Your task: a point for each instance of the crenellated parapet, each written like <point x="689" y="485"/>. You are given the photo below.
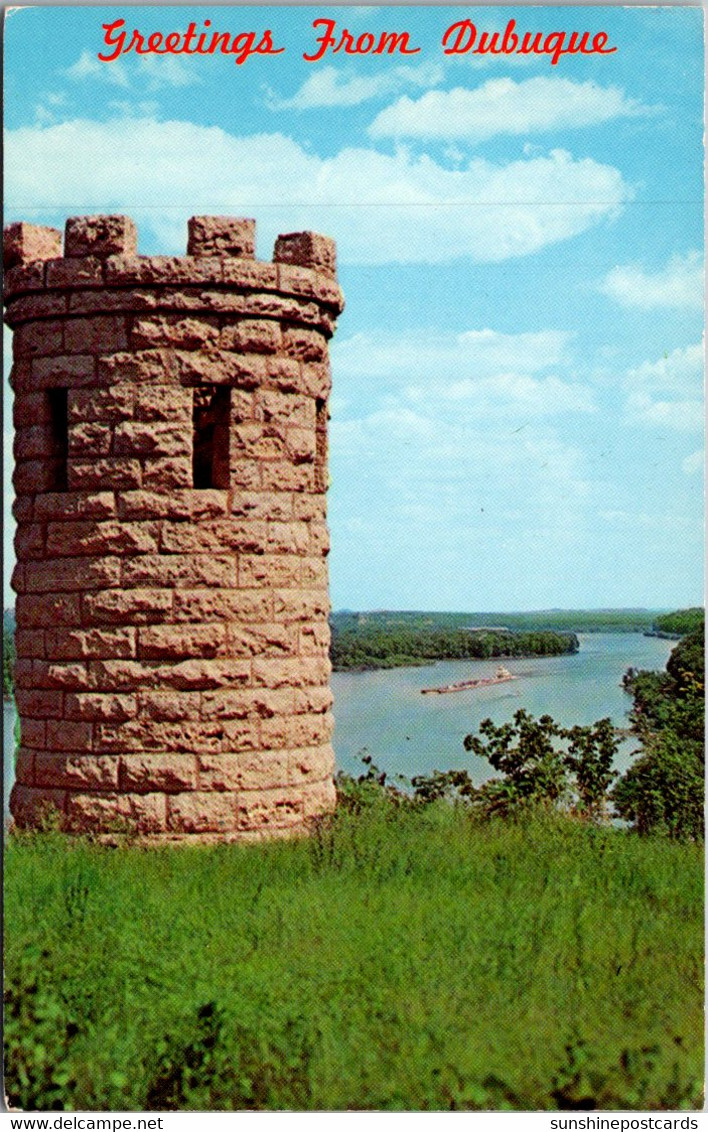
<point x="171" y="451"/>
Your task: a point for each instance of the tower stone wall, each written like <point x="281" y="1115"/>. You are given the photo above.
<point x="172" y="675"/>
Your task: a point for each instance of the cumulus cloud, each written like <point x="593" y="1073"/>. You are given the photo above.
<point x="424" y="212"/>
<point x="502" y="106"/>
<point x="668" y="392"/>
<point x="333" y="87"/>
<point x="678" y="285"/>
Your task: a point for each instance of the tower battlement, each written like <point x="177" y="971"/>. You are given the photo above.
<point x="170" y="418"/>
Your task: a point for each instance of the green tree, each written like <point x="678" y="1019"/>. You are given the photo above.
<point x="663" y="790"/>
<point x="8" y="663"/>
<point x="544" y="765"/>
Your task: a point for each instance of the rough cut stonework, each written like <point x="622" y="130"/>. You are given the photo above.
<point x="171" y="447"/>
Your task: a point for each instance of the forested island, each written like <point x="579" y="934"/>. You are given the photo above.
<point x="368" y="644"/>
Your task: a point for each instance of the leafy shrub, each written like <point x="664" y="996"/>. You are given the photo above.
<point x="662" y="792"/>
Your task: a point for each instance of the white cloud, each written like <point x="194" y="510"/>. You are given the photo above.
<point x="694" y="463"/>
<point x="502" y="106"/>
<point x="87" y="66"/>
<point x="515" y="395"/>
<point x="433" y="356"/>
<point x="668" y="393"/>
<point x="677" y="372"/>
<point x="677" y="285"/>
<point x="333" y="87"/>
<point x="422" y="213"/>
<point x="149" y="70"/>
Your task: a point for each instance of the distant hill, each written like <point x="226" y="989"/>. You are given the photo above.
<point x="552" y="620"/>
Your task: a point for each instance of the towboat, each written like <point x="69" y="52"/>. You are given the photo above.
<point x="501" y="676"/>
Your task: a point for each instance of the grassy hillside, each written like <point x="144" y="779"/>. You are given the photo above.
<point x="404" y="958"/>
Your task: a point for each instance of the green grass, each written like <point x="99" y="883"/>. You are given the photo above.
<point x="401" y="959"/>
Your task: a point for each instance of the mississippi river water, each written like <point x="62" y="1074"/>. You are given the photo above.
<point x="383" y="713"/>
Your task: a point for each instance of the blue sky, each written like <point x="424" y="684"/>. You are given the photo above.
<point x="517" y="405"/>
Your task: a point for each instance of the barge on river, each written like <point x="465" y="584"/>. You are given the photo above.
<point x="501" y="676"/>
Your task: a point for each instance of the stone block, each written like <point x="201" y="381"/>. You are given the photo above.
<point x="24" y="767"/>
<point x="40" y="610"/>
<point x="29" y="643"/>
<point x="34" y="735"/>
<point x="67" y="507"/>
<point x="307" y="249"/>
<point x="103" y="334"/>
<point x="167" y="473"/>
<point x="90" y="438"/>
<point x="81" y="644"/>
<point x="71" y="575"/>
<point x="222" y="605"/>
<point x="180" y="571"/>
<point x="95" y="538"/>
<point x="249" y="770"/>
<point x="164" y="403"/>
<point x="265" y="809"/>
<point x="32" y="806"/>
<point x="150" y="439"/>
<point x="100" y="236"/>
<point x="170" y="774"/>
<point x="221" y="235"/>
<point x="108" y="406"/>
<point x="250" y="335"/>
<point x="202" y="811"/>
<point x="38" y="339"/>
<point x="174" y="330"/>
<point x="118" y="813"/>
<point x="23" y="243"/>
<point x="100" y="707"/>
<point x="80" y="772"/>
<point x="270" y="570"/>
<point x="118" y="473"/>
<point x="59" y="674"/>
<point x="133" y="606"/>
<point x="29" y="541"/>
<point x="23" y="277"/>
<point x="176" y="642"/>
<point x="68" y="735"/>
<point x="170" y="706"/>
<point x="64" y="371"/>
<point x="311" y="765"/>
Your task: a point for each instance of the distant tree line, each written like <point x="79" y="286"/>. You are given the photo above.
<point x="681" y="622"/>
<point x="372" y="645"/>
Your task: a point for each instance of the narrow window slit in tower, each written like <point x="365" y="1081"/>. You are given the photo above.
<point x="320" y="444"/>
<point x="59" y="439"/>
<point x="210" y="435"/>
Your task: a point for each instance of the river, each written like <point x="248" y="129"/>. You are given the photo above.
<point x="383" y="713"/>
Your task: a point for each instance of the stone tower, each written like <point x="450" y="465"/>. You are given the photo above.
<point x="171" y="453"/>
